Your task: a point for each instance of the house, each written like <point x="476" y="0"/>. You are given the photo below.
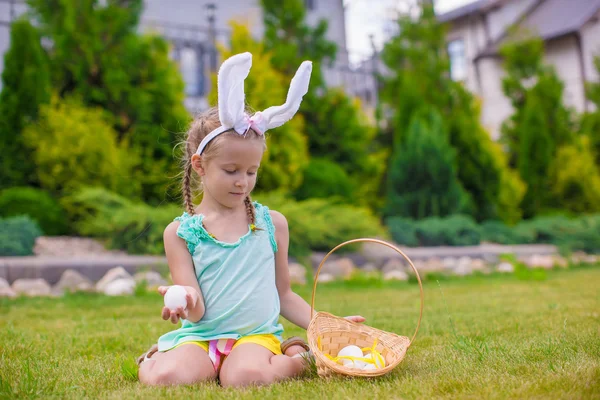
<point x="194" y="27"/>
<point x="570" y="30"/>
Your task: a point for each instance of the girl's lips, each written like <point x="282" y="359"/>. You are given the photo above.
<point x="236" y="194"/>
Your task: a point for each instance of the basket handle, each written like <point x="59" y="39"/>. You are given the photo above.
<point x="312" y="302"/>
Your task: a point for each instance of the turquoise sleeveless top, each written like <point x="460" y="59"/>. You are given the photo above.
<point x="237" y="281"/>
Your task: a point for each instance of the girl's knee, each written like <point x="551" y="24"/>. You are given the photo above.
<point x="165" y="375"/>
<point x="147" y="374"/>
<point x="244" y="375"/>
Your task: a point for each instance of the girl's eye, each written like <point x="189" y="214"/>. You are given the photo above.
<point x="251" y="173"/>
<point x="229" y="172"/>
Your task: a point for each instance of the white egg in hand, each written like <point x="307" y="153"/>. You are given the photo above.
<point x="175" y="297"/>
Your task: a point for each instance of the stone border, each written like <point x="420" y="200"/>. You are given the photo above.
<point x="50" y="268"/>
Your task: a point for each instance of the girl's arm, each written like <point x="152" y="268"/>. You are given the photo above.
<point x="293" y="307"/>
<point x="183" y="273"/>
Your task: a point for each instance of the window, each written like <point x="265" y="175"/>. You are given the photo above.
<point x="458" y="60"/>
<point x="309" y="4"/>
<point x="192" y="71"/>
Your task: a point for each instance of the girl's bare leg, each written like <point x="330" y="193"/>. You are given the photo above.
<point x="185" y="365"/>
<point x="253" y="364"/>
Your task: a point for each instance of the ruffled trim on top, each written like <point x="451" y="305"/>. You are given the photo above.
<point x="264" y="212"/>
<point x="191" y="230"/>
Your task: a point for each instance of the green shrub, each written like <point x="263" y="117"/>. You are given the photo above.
<point x="17" y="236"/>
<point x="25" y="85"/>
<point x="551" y="229"/>
<point x="422" y="175"/>
<point x="498" y="232"/>
<point x="455" y="230"/>
<point x="38" y="205"/>
<point x="320" y="225"/>
<point x="75" y="146"/>
<point x="134" y="227"/>
<point x="403" y="230"/>
<point x="323" y="179"/>
<point x="569" y="234"/>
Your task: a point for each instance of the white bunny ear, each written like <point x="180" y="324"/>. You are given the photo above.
<point x="230" y="83"/>
<point x="278" y="115"/>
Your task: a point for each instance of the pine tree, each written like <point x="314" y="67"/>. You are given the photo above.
<point x="423" y="180"/>
<point x="336" y="128"/>
<point x="591" y="120"/>
<point x="540" y="125"/>
<point x="25" y="86"/>
<point x="98" y="57"/>
<point x="419" y="78"/>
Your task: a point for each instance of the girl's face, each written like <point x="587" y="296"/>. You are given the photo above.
<point x="231" y="175"/>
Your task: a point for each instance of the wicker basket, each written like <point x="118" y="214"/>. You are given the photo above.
<point x="328" y="334"/>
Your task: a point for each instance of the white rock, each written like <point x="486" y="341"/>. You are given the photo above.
<point x="31" y="287"/>
<point x="505" y="267"/>
<point x="316" y="258"/>
<point x="368" y="267"/>
<point x="152" y="278"/>
<point x="297" y="273"/>
<point x="449" y="262"/>
<point x="393" y="264"/>
<point x="395" y="274"/>
<point x="478" y="265"/>
<point x="120" y="287"/>
<point x="3" y="283"/>
<point x="434" y="264"/>
<point x="326" y="277"/>
<point x="377" y="253"/>
<point x="463" y="267"/>
<point x="112" y="275"/>
<point x="72" y="281"/>
<point x="6" y="291"/>
<point x="341" y="268"/>
<point x="539" y="261"/>
<point x="560" y="261"/>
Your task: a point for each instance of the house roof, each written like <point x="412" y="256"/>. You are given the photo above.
<point x="478" y="6"/>
<point x="551" y="19"/>
<point x="555" y="18"/>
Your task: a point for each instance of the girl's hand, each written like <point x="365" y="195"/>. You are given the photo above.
<point x="355" y="318"/>
<point x="192" y="298"/>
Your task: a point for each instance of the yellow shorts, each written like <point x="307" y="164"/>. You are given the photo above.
<point x="268" y="341"/>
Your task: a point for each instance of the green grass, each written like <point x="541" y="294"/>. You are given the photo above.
<point x="481" y="337"/>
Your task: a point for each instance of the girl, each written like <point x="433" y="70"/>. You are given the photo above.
<point x="230" y="253"/>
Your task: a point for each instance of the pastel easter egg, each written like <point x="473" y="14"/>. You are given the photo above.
<point x="175" y="297"/>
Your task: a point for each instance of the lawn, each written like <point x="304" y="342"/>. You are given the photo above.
<point x="481" y="337"/>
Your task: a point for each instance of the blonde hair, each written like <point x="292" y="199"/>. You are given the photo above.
<point x="199" y="128"/>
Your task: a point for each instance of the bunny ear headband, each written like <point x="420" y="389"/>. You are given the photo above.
<point x="230" y="82"/>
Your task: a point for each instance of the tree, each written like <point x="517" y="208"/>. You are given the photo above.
<point x="423" y="180"/>
<point x="540" y="125"/>
<point x="74" y="147"/>
<point x="295" y="41"/>
<point x="25" y="86"/>
<point x="98" y="57"/>
<point x="420" y="78"/>
<point x="576" y="177"/>
<point x="286" y="154"/>
<point x="336" y="128"/>
<point x="591" y="120"/>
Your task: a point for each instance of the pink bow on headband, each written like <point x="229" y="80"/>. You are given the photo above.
<point x="256" y="123"/>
